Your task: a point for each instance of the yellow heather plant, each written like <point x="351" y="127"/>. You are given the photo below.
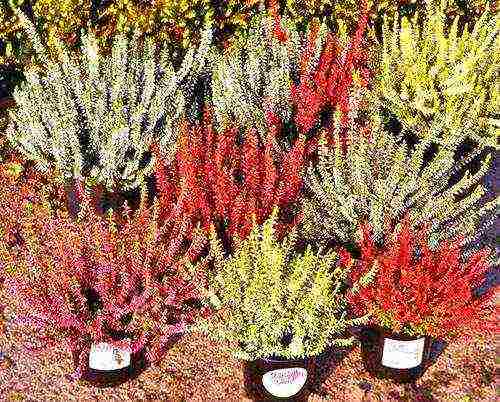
<point x="379" y="180"/>
<point x="440" y="80"/>
<point x="268" y="292"/>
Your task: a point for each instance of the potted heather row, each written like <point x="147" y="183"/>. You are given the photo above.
<point x="110" y="292"/>
<point x="279" y="309"/>
<point x="419" y="296"/>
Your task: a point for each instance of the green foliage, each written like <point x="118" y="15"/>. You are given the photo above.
<point x="440" y="81"/>
<point x="380" y="180"/>
<point x="178" y="21"/>
<point x="173" y="21"/>
<point x="332" y="12"/>
<point x="268" y="291"/>
<point x="62" y="19"/>
<point x="95" y="117"/>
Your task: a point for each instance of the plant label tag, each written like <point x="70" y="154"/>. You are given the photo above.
<point x="105" y="357"/>
<point x="402" y="354"/>
<point x="284" y="383"/>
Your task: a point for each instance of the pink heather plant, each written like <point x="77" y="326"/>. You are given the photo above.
<point x="81" y="282"/>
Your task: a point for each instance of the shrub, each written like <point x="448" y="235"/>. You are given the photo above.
<point x="95" y="116"/>
<point x="177" y="22"/>
<point x="442" y="82"/>
<point x="218" y="180"/>
<point x="419" y="291"/>
<point x="380" y="179"/>
<point x="95" y="280"/>
<point x="267" y="292"/>
<point x="258" y="68"/>
<point x="292" y="77"/>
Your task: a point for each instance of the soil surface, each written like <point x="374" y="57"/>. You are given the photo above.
<point x="197" y="369"/>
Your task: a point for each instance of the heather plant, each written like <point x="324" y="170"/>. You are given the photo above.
<point x="266" y="293"/>
<point x="98" y="280"/>
<point x="380" y="179"/>
<point x="288" y="78"/>
<point x="93" y="116"/>
<point x="218" y="179"/>
<point x="442" y="82"/>
<point x="327" y="87"/>
<point x="257" y="69"/>
<point x="416" y="290"/>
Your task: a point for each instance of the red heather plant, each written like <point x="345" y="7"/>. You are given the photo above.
<point x="95" y="281"/>
<point x="215" y="180"/>
<point x="328" y="85"/>
<point x="418" y="290"/>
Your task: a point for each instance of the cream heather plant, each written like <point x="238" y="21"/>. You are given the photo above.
<point x="442" y="81"/>
<point x="93" y="116"/>
<point x="267" y="292"/>
<point x="380" y="180"/>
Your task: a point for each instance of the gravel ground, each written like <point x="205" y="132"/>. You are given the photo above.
<point x="197" y="369"/>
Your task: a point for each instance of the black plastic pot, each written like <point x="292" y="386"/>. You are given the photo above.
<point x="111" y="378"/>
<point x="279" y="379"/>
<point x="389" y="355"/>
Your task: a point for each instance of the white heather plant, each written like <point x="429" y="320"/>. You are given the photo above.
<point x="379" y="180"/>
<point x="93" y="116"/>
<point x="267" y="291"/>
<point x="258" y="69"/>
<point x="437" y="79"/>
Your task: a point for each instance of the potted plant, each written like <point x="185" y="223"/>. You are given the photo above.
<point x="112" y="294"/>
<point x="281" y="309"/>
<point x="418" y="295"/>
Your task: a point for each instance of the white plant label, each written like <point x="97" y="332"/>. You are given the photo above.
<point x="402" y="354"/>
<point x="283" y="383"/>
<point x="105" y="357"/>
